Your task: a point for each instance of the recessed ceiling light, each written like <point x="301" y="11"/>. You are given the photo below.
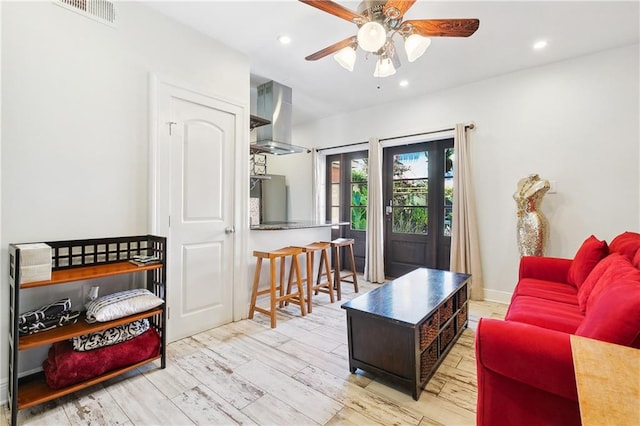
<point x="284" y="39"/>
<point x="540" y="44"/>
<point x="404" y="83"/>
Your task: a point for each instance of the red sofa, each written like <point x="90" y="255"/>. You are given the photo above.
<point x="525" y="365"/>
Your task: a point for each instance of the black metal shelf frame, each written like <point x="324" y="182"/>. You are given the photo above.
<point x="86" y="253"/>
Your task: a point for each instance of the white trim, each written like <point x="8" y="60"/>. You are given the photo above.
<point x="4" y="384"/>
<point x="4" y="391"/>
<point x="408" y="140"/>
<point x="497" y="296"/>
<point x="153" y="152"/>
<point x="4" y="333"/>
<point x="364" y="146"/>
<point x="425" y="136"/>
<point x="241" y="247"/>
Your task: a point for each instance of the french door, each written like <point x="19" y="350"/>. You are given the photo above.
<point x="418" y="193"/>
<point x="347" y="193"/>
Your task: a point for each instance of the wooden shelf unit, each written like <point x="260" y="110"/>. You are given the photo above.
<point x="34" y="389"/>
<point x="91" y="273"/>
<point x="78" y="329"/>
<point x="81" y="260"/>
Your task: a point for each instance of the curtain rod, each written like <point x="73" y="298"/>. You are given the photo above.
<point x="470" y="126"/>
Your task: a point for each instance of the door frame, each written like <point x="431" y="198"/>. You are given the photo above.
<point x="159" y="173"/>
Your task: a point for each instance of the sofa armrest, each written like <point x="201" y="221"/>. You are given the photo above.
<point x="527" y="353"/>
<point x="544" y="268"/>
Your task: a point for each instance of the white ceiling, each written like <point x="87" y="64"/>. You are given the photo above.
<point x="502" y="44"/>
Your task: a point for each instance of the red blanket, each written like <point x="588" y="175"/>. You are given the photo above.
<point x="64" y="366"/>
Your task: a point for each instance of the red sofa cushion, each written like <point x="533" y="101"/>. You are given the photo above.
<point x="548" y="314"/>
<point x="587" y="286"/>
<point x="621" y="269"/>
<point x="613" y="315"/>
<point x="587" y="257"/>
<point x="627" y="244"/>
<point x="609" y="269"/>
<point x="548" y="290"/>
<point x="636" y="260"/>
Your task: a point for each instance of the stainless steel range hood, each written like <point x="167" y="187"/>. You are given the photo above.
<point x="274" y="104"/>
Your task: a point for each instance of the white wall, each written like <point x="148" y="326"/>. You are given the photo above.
<point x="75" y="119"/>
<point x="575" y="122"/>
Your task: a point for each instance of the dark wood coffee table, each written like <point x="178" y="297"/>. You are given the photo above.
<point x="403" y="329"/>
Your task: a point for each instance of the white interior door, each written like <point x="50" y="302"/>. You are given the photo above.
<point x="201" y="152"/>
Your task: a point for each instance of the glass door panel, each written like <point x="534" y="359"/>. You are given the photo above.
<point x="334" y="187"/>
<point x="346" y="195"/>
<point x="449" y="158"/>
<point x="418" y="193"/>
<point x="411" y="192"/>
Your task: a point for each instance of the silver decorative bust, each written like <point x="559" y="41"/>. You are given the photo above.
<point x="532" y="225"/>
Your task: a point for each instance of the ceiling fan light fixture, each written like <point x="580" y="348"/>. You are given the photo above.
<point x="372" y="36"/>
<point x="384" y="68"/>
<point x="346" y="57"/>
<point x="415" y="45"/>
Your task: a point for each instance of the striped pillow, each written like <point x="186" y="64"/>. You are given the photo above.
<point x="121" y="304"/>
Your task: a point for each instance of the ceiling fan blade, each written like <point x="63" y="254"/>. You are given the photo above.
<point x="334" y="9"/>
<point x="331" y="49"/>
<point x="444" y="27"/>
<point x="401" y="5"/>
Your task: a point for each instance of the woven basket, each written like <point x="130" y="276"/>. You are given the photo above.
<point x="428" y="360"/>
<point x="446" y="336"/>
<point x="462" y="295"/>
<point x="445" y="311"/>
<point x="429" y="330"/>
<point x="461" y="317"/>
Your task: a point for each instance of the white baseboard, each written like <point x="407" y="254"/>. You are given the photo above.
<point x="4" y="384"/>
<point x="4" y="391"/>
<point x="497" y="296"/>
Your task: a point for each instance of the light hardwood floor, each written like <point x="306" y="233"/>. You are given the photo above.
<point x="296" y="374"/>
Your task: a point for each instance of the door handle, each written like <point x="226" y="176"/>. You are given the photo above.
<point x="229" y="230"/>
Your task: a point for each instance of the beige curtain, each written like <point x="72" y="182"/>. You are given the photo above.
<point x="465" y="251"/>
<point x="319" y="185"/>
<point x="374" y="258"/>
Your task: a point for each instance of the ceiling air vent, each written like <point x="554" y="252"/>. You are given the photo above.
<point x="99" y="10"/>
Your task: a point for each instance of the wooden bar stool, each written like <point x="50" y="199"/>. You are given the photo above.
<point x="297" y="298"/>
<point x="338" y="277"/>
<point x="320" y="285"/>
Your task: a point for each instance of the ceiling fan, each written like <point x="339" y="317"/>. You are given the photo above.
<point x="378" y="21"/>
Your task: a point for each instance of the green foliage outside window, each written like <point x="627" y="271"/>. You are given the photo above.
<point x="448" y="210"/>
<point x="359" y="218"/>
<point x="448" y="195"/>
<point x="410" y="220"/>
<point x="359" y="192"/>
<point x="410" y="201"/>
<point x="358" y="175"/>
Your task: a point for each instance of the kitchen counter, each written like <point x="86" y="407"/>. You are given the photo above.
<point x="277" y="226"/>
